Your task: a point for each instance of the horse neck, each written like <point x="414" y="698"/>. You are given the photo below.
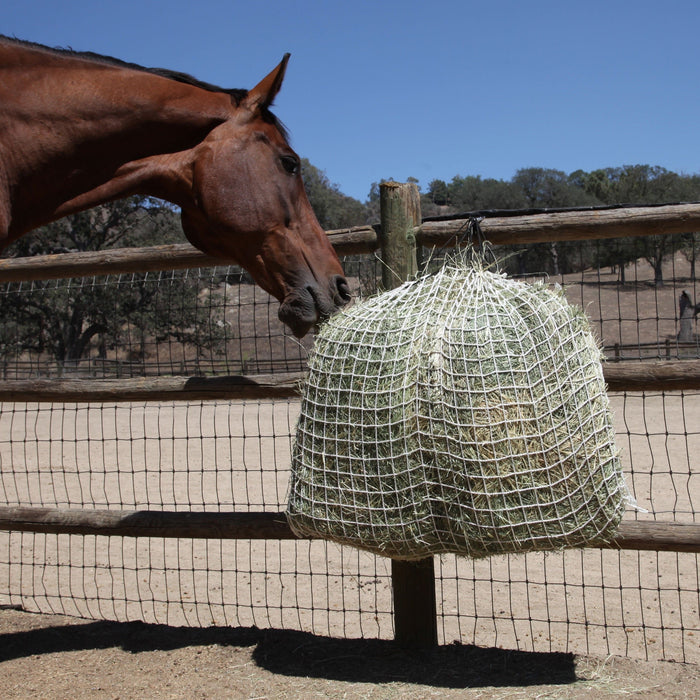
<point x="77" y="133"/>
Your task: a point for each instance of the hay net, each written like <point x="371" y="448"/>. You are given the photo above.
<point x="462" y="412"/>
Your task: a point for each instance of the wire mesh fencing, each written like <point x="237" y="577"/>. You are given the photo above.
<point x="234" y="455"/>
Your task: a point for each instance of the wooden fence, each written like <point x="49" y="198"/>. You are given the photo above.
<point x="397" y="238"/>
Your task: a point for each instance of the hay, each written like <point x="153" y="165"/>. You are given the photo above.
<point x="463" y="412"/>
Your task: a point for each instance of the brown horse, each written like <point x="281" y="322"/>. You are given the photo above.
<point x="77" y="130"/>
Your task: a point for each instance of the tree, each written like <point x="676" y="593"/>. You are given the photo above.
<point x="65" y="317"/>
<point x="373" y="200"/>
<point x="543" y="188"/>
<point x="333" y="209"/>
<point x="550" y="189"/>
<point x="438" y="192"/>
<point x="642" y="184"/>
<point x="473" y="193"/>
<point x="134" y="221"/>
<point x="596" y="184"/>
<point x="689" y="248"/>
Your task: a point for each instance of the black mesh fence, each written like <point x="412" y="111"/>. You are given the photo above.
<point x="234" y="455"/>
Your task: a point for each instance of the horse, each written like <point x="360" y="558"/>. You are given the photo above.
<point x="78" y="129"/>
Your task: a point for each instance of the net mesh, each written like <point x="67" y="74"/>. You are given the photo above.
<point x="463" y="412"/>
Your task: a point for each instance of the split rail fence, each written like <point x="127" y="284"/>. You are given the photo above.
<point x="396" y="240"/>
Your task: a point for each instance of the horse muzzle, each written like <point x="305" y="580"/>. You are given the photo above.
<point x="306" y="306"/>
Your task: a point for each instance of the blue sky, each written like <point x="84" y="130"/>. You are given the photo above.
<point x="379" y="89"/>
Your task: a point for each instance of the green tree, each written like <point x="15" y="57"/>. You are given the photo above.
<point x="372" y="204"/>
<point x="438" y="192"/>
<point x="689" y="248"/>
<point x="134" y="221"/>
<point x="550" y="189"/>
<point x="596" y="184"/>
<point x="544" y="188"/>
<point x="332" y="208"/>
<point x="64" y="318"/>
<point x="472" y="193"/>
<point x="642" y="184"/>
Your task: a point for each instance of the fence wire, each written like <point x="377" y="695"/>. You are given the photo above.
<point x="234" y="455"/>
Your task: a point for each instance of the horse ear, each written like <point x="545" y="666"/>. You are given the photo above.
<point x="262" y="95"/>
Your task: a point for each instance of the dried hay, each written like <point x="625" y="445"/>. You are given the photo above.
<point x="463" y="412"/>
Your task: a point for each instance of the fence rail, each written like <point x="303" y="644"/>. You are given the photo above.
<point x="640" y="535"/>
<point x="670" y="375"/>
<point x="499" y="230"/>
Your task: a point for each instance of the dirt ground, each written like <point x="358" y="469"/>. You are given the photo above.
<point x="51" y="656"/>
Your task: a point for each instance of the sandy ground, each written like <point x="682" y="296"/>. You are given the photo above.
<point x="644" y="605"/>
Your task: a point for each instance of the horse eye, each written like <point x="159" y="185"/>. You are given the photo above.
<point x="290" y="164"/>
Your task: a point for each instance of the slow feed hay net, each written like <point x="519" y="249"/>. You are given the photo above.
<point x="463" y="412"/>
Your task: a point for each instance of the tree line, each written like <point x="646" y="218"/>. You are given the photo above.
<point x="538" y="188"/>
<point x="547" y="188"/>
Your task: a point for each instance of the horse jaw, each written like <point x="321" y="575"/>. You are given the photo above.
<point x="304" y="299"/>
<point x="298" y="312"/>
<point x="305" y="307"/>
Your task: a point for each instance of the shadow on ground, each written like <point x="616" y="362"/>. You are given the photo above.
<point x="300" y="654"/>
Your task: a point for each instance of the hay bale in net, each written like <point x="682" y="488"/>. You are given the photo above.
<point x="463" y="412"/>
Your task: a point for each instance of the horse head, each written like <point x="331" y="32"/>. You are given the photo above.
<point x="86" y="129"/>
<point x="249" y="204"/>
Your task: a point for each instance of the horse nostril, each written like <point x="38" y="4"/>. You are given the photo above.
<point x="342" y="295"/>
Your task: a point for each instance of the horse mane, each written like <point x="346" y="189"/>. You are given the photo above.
<point x="236" y="94"/>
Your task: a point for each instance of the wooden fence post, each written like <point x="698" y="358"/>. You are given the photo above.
<point x="400" y="215"/>
<point x="413" y="583"/>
